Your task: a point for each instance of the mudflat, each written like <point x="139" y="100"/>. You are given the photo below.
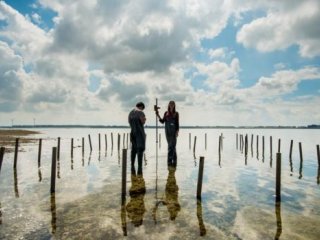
<point x="8" y="137"/>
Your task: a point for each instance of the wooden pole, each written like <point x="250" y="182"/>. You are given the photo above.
<point x="279" y="145"/>
<point x="237" y="141"/>
<point x="257" y="146"/>
<point x="200" y="177"/>
<point x="124" y="140"/>
<point x="189" y="140"/>
<point x="53" y="170"/>
<point x="262" y="148"/>
<point x="111" y="140"/>
<point x="246" y="145"/>
<point x="291" y="145"/>
<point x="82" y="146"/>
<point x="106" y="141"/>
<point x="16" y="153"/>
<point x="301" y="160"/>
<point x="318" y="153"/>
<point x="2" y="149"/>
<point x="39" y="153"/>
<point x="99" y="142"/>
<point x="90" y="143"/>
<point x="58" y="150"/>
<point x="71" y="147"/>
<point x="278" y="178"/>
<point x="270" y="147"/>
<point x="194" y="144"/>
<point x="119" y="142"/>
<point x="124" y="175"/>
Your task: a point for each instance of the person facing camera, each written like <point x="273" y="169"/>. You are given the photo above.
<point x="171" y="122"/>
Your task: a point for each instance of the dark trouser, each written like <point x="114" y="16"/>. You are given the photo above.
<point x="135" y="152"/>
<point x="138" y="144"/>
<point x="172" y="154"/>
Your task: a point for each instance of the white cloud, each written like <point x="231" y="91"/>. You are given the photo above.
<point x="287" y="23"/>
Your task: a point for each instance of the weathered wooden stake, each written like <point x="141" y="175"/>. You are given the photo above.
<point x="318" y="153"/>
<point x="200" y="177"/>
<point x="124" y="140"/>
<point x="124" y="175"/>
<point x="278" y="178"/>
<point x="53" y="170"/>
<point x="90" y="143"/>
<point x="194" y="144"/>
<point x="262" y="148"/>
<point x="16" y="153"/>
<point x="2" y="149"/>
<point x="111" y="140"/>
<point x="39" y="153"/>
<point x="189" y="140"/>
<point x="58" y="150"/>
<point x="279" y="145"/>
<point x="71" y="147"/>
<point x="257" y="147"/>
<point x="119" y="142"/>
<point x="237" y="141"/>
<point x="99" y="142"/>
<point x="82" y="146"/>
<point x="290" y="153"/>
<point x="246" y="145"/>
<point x="106" y="141"/>
<point x="301" y="161"/>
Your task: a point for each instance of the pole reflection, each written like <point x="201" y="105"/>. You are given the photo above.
<point x="15" y="177"/>
<point x="39" y="174"/>
<point x="53" y="213"/>
<point x="0" y="214"/>
<point x="279" y="221"/>
<point x="202" y="227"/>
<point x="136" y="207"/>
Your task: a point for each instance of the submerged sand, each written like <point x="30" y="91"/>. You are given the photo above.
<point x="8" y="137"/>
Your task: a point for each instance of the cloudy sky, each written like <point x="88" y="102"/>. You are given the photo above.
<point x="231" y="62"/>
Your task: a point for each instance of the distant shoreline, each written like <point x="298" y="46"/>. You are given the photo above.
<point x="161" y="126"/>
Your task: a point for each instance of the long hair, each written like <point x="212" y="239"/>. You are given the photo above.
<point x="174" y="107"/>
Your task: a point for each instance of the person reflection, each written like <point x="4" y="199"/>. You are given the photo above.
<point x="135" y="207"/>
<point x="171" y="196"/>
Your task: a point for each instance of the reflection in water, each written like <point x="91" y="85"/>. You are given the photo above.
<point x="53" y="213"/>
<point x="89" y="159"/>
<point x="300" y="168"/>
<point x="171" y="197"/>
<point x="202" y="228"/>
<point x="0" y="214"/>
<point x="82" y="161"/>
<point x="124" y="219"/>
<point x="279" y="221"/>
<point x="15" y="176"/>
<point x="291" y="167"/>
<point x="71" y="163"/>
<point x="318" y="177"/>
<point x="135" y="206"/>
<point x="39" y="174"/>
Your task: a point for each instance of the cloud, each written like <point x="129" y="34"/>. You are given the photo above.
<point x="10" y="79"/>
<point x="283" y="82"/>
<point x="287" y="23"/>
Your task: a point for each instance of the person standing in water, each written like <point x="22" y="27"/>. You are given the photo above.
<point x="171" y="121"/>
<point x="137" y="120"/>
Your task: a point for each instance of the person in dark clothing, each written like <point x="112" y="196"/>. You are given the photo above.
<point x="137" y="120"/>
<point x="171" y="121"/>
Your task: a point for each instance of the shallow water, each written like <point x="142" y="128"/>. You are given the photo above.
<point x="237" y="201"/>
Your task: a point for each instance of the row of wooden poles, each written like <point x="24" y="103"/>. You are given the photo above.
<point x="244" y="145"/>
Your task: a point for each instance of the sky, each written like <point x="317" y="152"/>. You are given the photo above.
<point x="231" y="62"/>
